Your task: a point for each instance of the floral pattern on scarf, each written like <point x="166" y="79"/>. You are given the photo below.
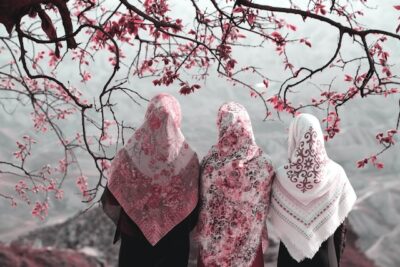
<point x="155" y="176"/>
<point x="235" y="193"/>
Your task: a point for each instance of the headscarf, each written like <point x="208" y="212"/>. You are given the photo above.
<point x="311" y="195"/>
<point x="154" y="177"/>
<point x="235" y="188"/>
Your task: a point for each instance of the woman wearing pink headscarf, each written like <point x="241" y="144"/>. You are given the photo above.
<point x="311" y="197"/>
<point x="235" y="193"/>
<point x="152" y="191"/>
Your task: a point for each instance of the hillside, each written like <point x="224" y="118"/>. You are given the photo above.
<point x="16" y="256"/>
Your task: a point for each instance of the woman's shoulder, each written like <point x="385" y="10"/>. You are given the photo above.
<point x="334" y="166"/>
<point x="265" y="158"/>
<point x="205" y="160"/>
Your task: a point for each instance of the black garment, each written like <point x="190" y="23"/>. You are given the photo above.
<point x="328" y="255"/>
<point x="135" y="251"/>
<point x="171" y="251"/>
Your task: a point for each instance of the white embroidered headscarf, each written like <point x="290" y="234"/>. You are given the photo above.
<point x="235" y="193"/>
<point x="311" y="195"/>
<point x="154" y="177"/>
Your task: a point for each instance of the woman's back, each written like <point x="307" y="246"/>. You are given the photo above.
<point x="328" y="255"/>
<point x="152" y="190"/>
<point x="171" y="250"/>
<point x="234" y="194"/>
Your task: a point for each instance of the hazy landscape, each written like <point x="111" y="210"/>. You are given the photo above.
<point x="375" y="219"/>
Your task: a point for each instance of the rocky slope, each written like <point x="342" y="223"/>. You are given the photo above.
<point x="17" y="256"/>
<point x="90" y="232"/>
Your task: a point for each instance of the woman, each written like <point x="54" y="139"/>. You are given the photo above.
<point x="153" y="190"/>
<point x="235" y="193"/>
<point x="311" y="197"/>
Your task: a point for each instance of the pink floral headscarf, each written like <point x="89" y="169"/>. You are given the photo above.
<point x="311" y="195"/>
<point x="154" y="177"/>
<point x="235" y="187"/>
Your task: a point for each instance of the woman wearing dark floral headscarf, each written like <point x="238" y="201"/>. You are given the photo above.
<point x="235" y="193"/>
<point x="153" y="190"/>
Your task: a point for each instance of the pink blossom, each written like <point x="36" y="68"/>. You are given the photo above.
<point x="40" y="210"/>
<point x="86" y="76"/>
<point x="105" y="164"/>
<point x="13" y="203"/>
<point x="53" y="58"/>
<point x="82" y="184"/>
<point x="62" y="165"/>
<point x="22" y="188"/>
<point x="59" y="194"/>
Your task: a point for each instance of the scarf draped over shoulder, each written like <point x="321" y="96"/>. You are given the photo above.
<point x="235" y="188"/>
<point x="311" y="195"/>
<point x="154" y="177"/>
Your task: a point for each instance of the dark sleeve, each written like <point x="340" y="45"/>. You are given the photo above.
<point x="110" y="205"/>
<point x="113" y="210"/>
<point x="124" y="224"/>
<point x="340" y="240"/>
<point x="194" y="216"/>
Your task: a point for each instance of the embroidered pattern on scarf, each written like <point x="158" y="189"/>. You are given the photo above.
<point x="154" y="177"/>
<point x="305" y="171"/>
<point x="235" y="193"/>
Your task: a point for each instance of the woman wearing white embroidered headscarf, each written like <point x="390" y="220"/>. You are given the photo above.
<point x="311" y="197"/>
<point x="153" y="190"/>
<point x="235" y="194"/>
